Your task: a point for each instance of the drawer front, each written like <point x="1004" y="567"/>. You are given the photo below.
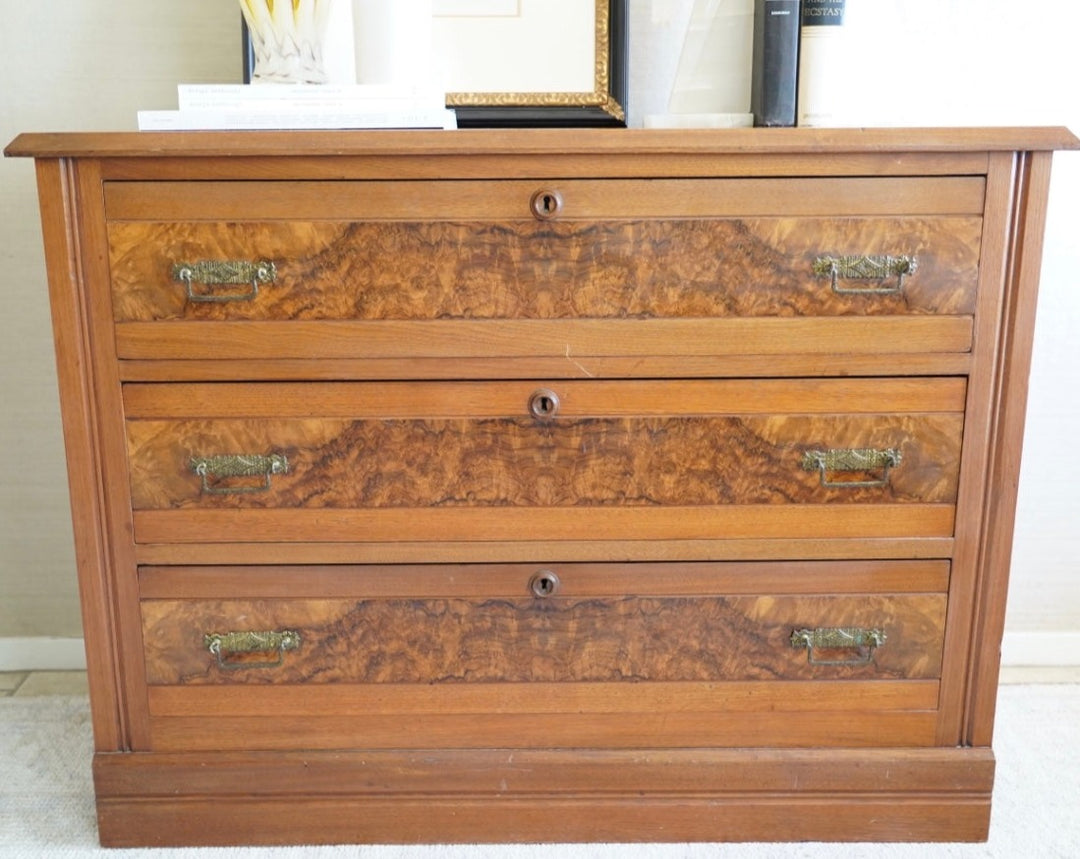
<point x="554" y="653"/>
<point x="532" y="270"/>
<point x="550" y="640"/>
<point x="466" y="269"/>
<point x="469" y="461"/>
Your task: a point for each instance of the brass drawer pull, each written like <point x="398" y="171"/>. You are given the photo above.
<point x="221" y="644"/>
<point x="863" y="641"/>
<point x="238" y="465"/>
<point x="223" y="272"/>
<point x="866" y="268"/>
<point x="849" y="459"/>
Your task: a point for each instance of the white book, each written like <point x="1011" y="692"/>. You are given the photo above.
<point x="824" y="73"/>
<point x="266" y="120"/>
<point x="323" y="97"/>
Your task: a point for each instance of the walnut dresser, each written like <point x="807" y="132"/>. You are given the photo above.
<point x="543" y="485"/>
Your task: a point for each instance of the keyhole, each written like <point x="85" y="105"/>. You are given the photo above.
<point x="544" y="583"/>
<point x="546" y="204"/>
<point x="544" y="404"/>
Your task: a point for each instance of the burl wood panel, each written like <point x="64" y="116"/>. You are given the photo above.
<point x="545" y="640"/>
<point x="519" y="462"/>
<point x="532" y="270"/>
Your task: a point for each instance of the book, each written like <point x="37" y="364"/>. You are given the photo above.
<point x="264" y="120"/>
<point x="822" y="63"/>
<point x="328" y="98"/>
<point x="775" y="67"/>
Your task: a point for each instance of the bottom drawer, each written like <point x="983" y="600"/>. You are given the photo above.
<point x="659" y="655"/>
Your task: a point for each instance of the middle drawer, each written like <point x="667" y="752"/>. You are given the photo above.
<point x="530" y="461"/>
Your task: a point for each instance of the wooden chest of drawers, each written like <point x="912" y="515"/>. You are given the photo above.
<point x="513" y="486"/>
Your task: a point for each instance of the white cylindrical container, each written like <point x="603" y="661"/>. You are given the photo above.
<point x="393" y="42"/>
<point x="714" y="69"/>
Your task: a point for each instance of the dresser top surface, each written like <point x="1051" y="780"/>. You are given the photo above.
<point x="538" y="142"/>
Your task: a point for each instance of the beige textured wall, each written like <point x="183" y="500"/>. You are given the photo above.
<point x="69" y="65"/>
<point x="90" y="64"/>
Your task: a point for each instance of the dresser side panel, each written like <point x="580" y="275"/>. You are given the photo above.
<point x="996" y="246"/>
<point x="61" y="211"/>
<point x="116" y="494"/>
<point x="1008" y="417"/>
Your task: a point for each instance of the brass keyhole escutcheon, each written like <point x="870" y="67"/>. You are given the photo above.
<point x="544" y="584"/>
<point x="544" y="404"/>
<point x="546" y="204"/>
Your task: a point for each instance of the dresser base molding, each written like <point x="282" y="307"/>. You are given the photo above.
<point x="460" y="796"/>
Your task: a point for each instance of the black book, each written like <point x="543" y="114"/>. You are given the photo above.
<point x="776" y="62"/>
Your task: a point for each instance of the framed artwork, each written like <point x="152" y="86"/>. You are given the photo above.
<point x="529" y="63"/>
<point x="534" y="62"/>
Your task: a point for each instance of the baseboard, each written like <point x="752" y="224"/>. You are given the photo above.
<point x="1041" y="649"/>
<point x="1019" y="649"/>
<point x="42" y="654"/>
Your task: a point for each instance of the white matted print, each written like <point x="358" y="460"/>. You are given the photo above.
<point x="548" y="46"/>
<point x="483" y="8"/>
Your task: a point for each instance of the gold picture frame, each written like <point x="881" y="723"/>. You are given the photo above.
<point x="596" y="95"/>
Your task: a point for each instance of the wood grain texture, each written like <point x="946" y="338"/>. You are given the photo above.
<point x="406" y="820"/>
<point x="882" y="365"/>
<point x="577" y="399"/>
<point x="629" y="639"/>
<point x="427" y="699"/>
<point x="485" y="795"/>
<point x="404" y="548"/>
<point x="503" y="166"/>
<point x="835" y="713"/>
<point x="816" y="341"/>
<point x="108" y="437"/>
<point x="60" y="217"/>
<point x="512" y="580"/>
<point x="763" y="529"/>
<point x="1007" y="418"/>
<point x="827" y="145"/>
<point x="510" y="199"/>
<point x="668" y="730"/>
<point x="525" y="463"/>
<point x="531" y="270"/>
<point x="685" y="772"/>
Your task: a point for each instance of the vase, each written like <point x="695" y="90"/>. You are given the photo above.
<point x="287" y="39"/>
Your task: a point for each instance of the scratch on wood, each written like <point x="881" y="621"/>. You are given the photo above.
<point x="577" y="364"/>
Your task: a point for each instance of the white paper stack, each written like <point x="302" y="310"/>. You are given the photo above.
<point x="300" y="106"/>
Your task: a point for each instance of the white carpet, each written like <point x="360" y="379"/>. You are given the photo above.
<point x="47" y="807"/>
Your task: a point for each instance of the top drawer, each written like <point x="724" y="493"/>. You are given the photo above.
<point x="521" y="268"/>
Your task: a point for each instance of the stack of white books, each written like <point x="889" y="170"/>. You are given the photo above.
<point x="298" y="106"/>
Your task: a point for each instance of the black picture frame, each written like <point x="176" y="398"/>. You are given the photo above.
<point x="604" y="106"/>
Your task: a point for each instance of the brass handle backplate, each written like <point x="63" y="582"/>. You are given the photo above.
<point x="223" y="273"/>
<point x="851" y="459"/>
<point x="866" y="268"/>
<point x="862" y="641"/>
<point x="222" y="644"/>
<point x="216" y="468"/>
